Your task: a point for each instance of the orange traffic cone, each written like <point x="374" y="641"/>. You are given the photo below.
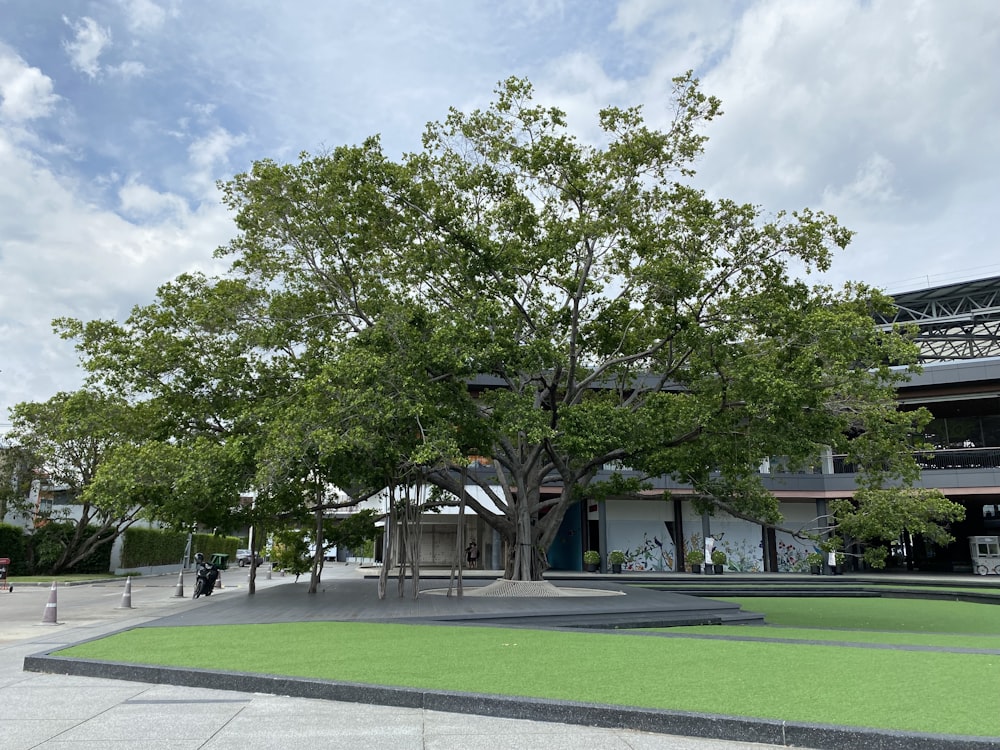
<point x="49" y="617"/>
<point x="126" y="595"/>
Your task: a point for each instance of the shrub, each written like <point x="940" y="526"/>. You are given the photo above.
<point x="13" y="547"/>
<point x="592" y="557"/>
<point x="46" y="543"/>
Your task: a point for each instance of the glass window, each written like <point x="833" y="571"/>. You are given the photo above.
<point x="991" y="431"/>
<point x="964" y="432"/>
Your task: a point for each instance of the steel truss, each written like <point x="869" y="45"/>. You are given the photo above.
<point x="956" y="321"/>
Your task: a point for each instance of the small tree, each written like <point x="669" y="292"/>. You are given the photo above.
<point x="72" y="434"/>
<point x="290" y="552"/>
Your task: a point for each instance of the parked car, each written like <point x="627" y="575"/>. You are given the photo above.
<point x="243" y="558"/>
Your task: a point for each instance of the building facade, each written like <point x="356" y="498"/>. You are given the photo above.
<point x="957" y="327"/>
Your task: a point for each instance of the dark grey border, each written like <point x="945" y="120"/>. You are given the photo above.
<point x="681" y="723"/>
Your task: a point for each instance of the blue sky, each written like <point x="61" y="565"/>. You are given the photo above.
<point x="117" y="117"/>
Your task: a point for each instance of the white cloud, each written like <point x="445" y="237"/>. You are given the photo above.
<point x="127" y="70"/>
<point x="872" y="186"/>
<point x="141" y="202"/>
<point x="631" y="14"/>
<point x="25" y="92"/>
<point x="209" y="157"/>
<point x="823" y="86"/>
<point x="60" y="255"/>
<point x="89" y="42"/>
<point x="143" y="15"/>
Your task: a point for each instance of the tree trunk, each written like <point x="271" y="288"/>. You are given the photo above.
<point x="416" y="533"/>
<point x="459" y="547"/>
<point x="317" y="566"/>
<point x="402" y="546"/>
<point x="252" y="586"/>
<point x="388" y="538"/>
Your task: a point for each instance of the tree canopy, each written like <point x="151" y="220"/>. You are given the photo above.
<point x="613" y="312"/>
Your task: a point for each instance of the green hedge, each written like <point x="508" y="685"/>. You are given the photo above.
<point x="12" y="546"/>
<point x="144" y="547"/>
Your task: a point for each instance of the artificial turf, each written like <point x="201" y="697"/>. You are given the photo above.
<point x="954" y="693"/>
<point x="876" y="613"/>
<point x="841" y="636"/>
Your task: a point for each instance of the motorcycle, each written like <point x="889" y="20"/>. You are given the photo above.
<point x="205" y="577"/>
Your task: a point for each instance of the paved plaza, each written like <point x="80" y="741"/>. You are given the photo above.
<point x="59" y="712"/>
<point x="73" y="712"/>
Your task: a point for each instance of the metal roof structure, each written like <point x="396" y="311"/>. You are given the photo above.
<point x="959" y="321"/>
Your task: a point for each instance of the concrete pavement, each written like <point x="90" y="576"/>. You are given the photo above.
<point x="59" y="712"/>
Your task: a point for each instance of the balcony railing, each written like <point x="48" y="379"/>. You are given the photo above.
<point x="946" y="458"/>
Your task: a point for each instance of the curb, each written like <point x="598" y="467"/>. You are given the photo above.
<point x="713" y="726"/>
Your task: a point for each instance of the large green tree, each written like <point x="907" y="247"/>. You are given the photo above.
<point x="614" y="312"/>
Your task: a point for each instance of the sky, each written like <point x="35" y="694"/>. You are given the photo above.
<point x="118" y="117"/>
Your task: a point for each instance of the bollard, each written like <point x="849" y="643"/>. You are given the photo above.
<point x="179" y="591"/>
<point x="49" y="617"/>
<point x="126" y="595"/>
<point x="269" y="566"/>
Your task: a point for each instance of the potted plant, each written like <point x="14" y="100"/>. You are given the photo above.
<point x="591" y="559"/>
<point x="718" y="561"/>
<point x="815" y="562"/>
<point x="616" y="559"/>
<point x="694" y="558"/>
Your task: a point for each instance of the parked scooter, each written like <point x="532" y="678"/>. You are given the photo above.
<point x="206" y="575"/>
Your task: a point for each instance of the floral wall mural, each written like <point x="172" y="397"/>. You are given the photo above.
<point x="642" y="530"/>
<point x="646" y="544"/>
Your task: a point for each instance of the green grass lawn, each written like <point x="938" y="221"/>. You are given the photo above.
<point x="830" y="684"/>
<point x="848" y="589"/>
<point x="842" y="636"/>
<point x="895" y="615"/>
